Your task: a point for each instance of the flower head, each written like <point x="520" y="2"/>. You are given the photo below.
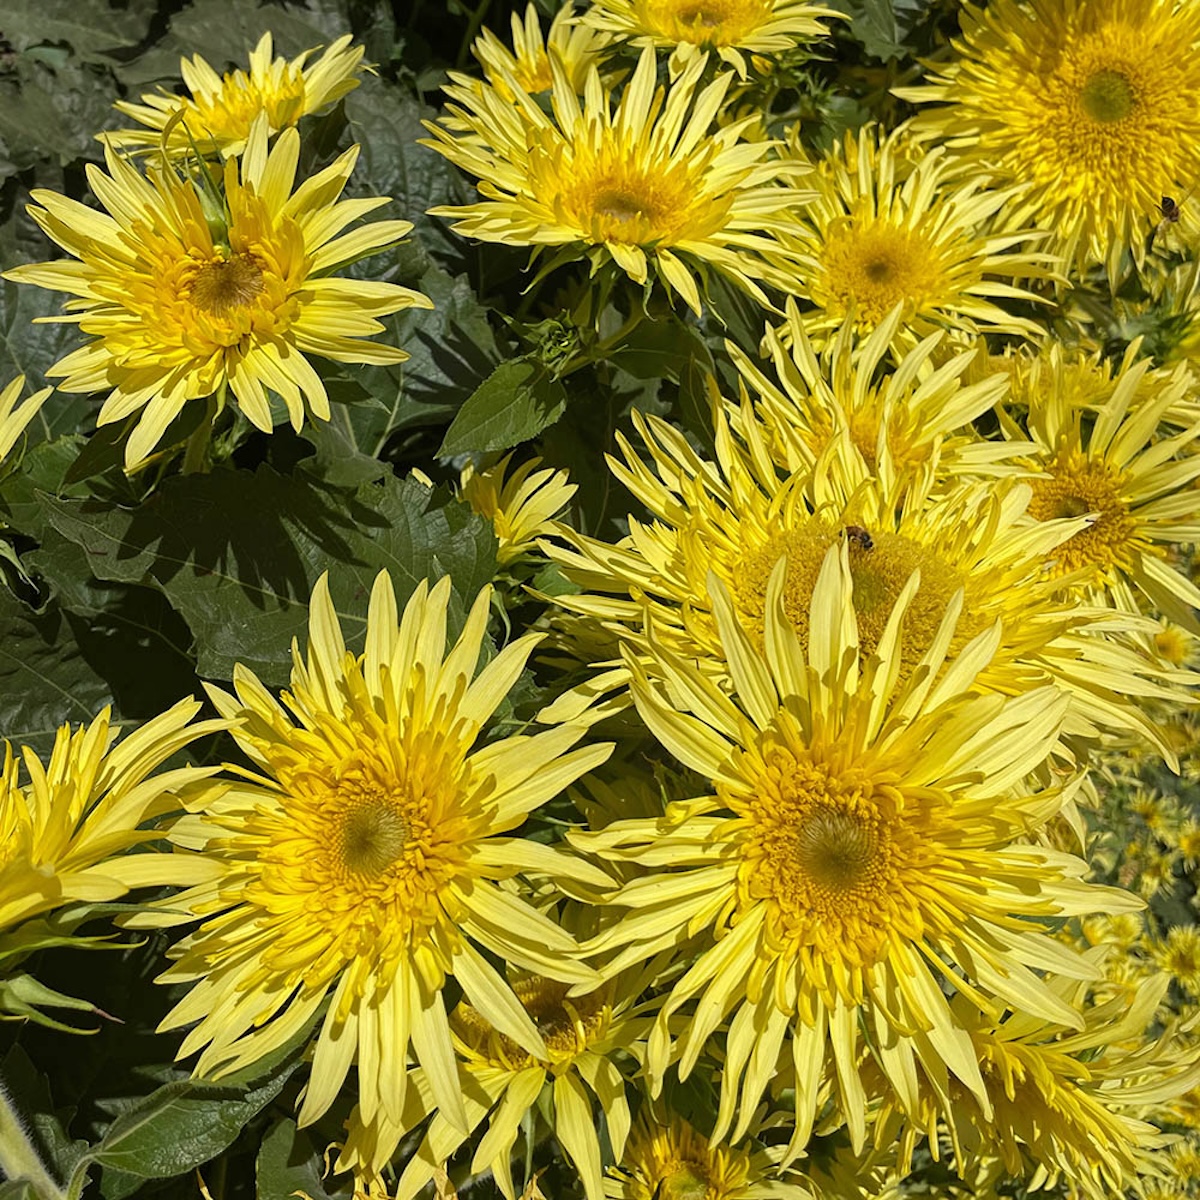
<point x="913" y="419"/>
<point x="733" y="28"/>
<point x="739" y="516"/>
<point x="1067" y="1102"/>
<point x="649" y="186"/>
<point x="891" y="225"/>
<point x="1101" y="456"/>
<point x="669" y="1160"/>
<point x="865" y="849"/>
<point x="182" y="304"/>
<point x="586" y="1038"/>
<point x="361" y="861"/>
<point x="220" y="110"/>
<point x="575" y="47"/>
<point x="1093" y="105"/>
<point x="520" y="504"/>
<point x="64" y="834"/>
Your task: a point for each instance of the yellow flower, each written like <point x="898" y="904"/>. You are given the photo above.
<point x="649" y="186"/>
<point x="1093" y="104"/>
<point x="738" y="517"/>
<point x="892" y="225"/>
<point x="15" y="417"/>
<point x="520" y="506"/>
<point x="1103" y="459"/>
<point x="1067" y="1105"/>
<point x="669" y="1160"/>
<point x="360" y="864"/>
<point x="503" y="1083"/>
<point x="220" y="111"/>
<point x="180" y="309"/>
<point x="576" y="47"/>
<point x="732" y="28"/>
<point x="65" y="833"/>
<point x="1179" y="954"/>
<point x="914" y="418"/>
<point x="864" y="849"/>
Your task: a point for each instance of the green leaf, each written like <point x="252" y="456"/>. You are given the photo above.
<point x="225" y="31"/>
<point x="44" y="678"/>
<point x="28" y="349"/>
<point x="86" y="28"/>
<point x="873" y="23"/>
<point x="515" y="403"/>
<point x="41" y="469"/>
<point x="185" y="1123"/>
<point x="237" y="554"/>
<point x="386" y="122"/>
<point x="288" y="1163"/>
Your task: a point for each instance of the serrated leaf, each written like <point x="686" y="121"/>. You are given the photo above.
<point x="237" y="554"/>
<point x="515" y="403"/>
<point x="44" y="678"/>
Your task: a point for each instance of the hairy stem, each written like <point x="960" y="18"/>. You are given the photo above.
<point x="18" y="1155"/>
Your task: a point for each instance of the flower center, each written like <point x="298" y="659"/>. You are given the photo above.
<point x="1108" y="96"/>
<point x="1077" y="486"/>
<point x="683" y="1181"/>
<point x="835" y="850"/>
<point x="373" y="837"/>
<point x="708" y="22"/>
<point x="873" y="268"/>
<point x="827" y="852"/>
<point x="362" y="854"/>
<point x="226" y="284"/>
<point x="622" y="206"/>
<point x="880" y="565"/>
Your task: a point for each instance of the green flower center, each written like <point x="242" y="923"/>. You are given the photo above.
<point x="1108" y="96"/>
<point x="373" y="837"/>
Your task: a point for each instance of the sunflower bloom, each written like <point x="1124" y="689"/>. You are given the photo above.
<point x="913" y="418"/>
<point x="891" y="226"/>
<point x="672" y="1161"/>
<point x="864" y="848"/>
<point x="502" y="1083"/>
<point x="65" y="833"/>
<point x="733" y="28"/>
<point x="361" y="861"/>
<point x="15" y="417"/>
<point x="1093" y="104"/>
<point x="1068" y="1103"/>
<point x="576" y="47"/>
<point x="739" y="516"/>
<point x="1104" y="460"/>
<point x="180" y="308"/>
<point x="520" y="505"/>
<point x="220" y="110"/>
<point x="650" y="186"/>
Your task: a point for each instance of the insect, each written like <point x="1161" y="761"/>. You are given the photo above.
<point x="1171" y="211"/>
<point x="860" y="537"/>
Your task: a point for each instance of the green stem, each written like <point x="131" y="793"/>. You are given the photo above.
<point x="196" y="459"/>
<point x="473" y="28"/>
<point x="18" y="1156"/>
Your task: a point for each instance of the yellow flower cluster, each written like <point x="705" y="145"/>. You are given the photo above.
<point x="834" y="860"/>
